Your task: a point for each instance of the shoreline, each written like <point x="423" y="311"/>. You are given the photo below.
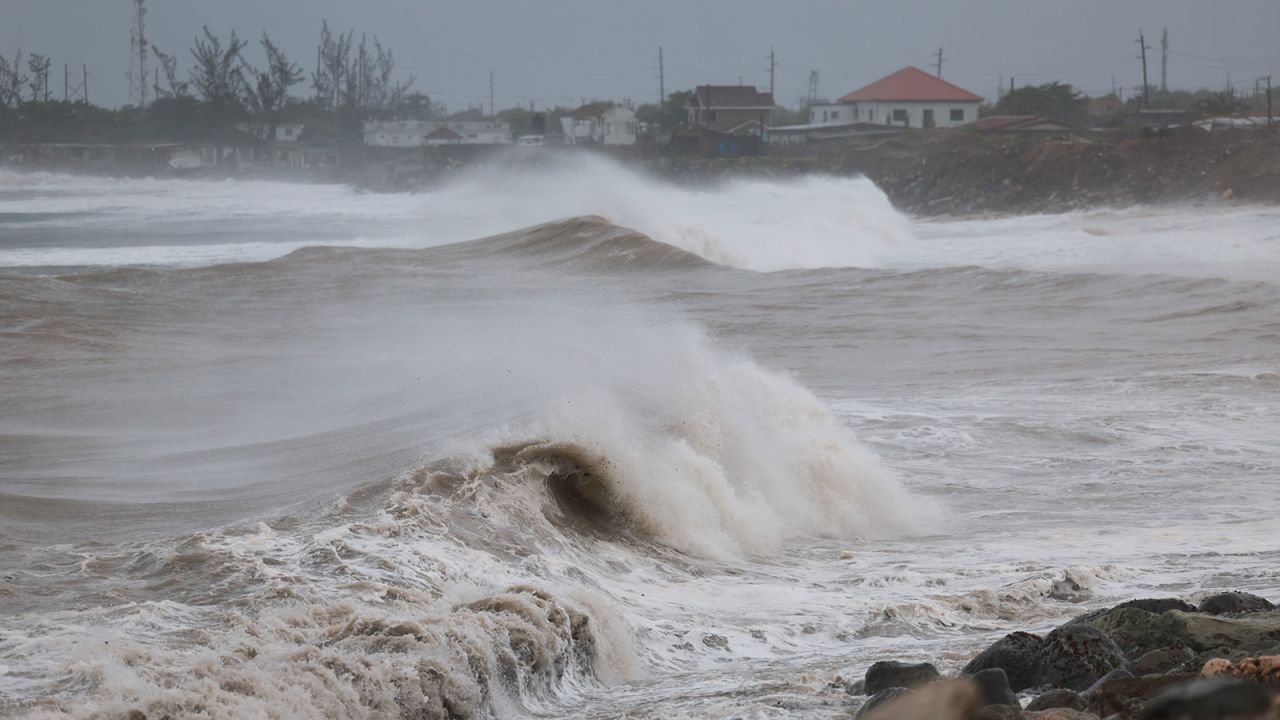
<point x="935" y="174"/>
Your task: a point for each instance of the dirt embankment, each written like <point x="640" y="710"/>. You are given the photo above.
<point x="962" y="171"/>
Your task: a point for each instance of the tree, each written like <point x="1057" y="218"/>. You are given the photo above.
<point x="169" y="64"/>
<point x="672" y="113"/>
<point x="369" y="87"/>
<point x="38" y="81"/>
<point x="12" y="79"/>
<point x="218" y="78"/>
<point x="1055" y="100"/>
<point x="269" y="91"/>
<point x="331" y="63"/>
<point x="418" y="106"/>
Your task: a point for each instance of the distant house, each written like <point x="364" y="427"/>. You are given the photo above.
<point x="414" y="133"/>
<point x="289" y="132"/>
<point x="1020" y="123"/>
<point x="601" y="124"/>
<point x="909" y="98"/>
<point x="733" y="109"/>
<point x="1105" y="105"/>
<point x="443" y="136"/>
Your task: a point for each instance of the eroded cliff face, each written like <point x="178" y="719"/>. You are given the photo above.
<point x="960" y="172"/>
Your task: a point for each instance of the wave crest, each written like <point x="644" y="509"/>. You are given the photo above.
<point x="708" y="454"/>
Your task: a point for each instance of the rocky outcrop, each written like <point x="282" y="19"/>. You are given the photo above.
<point x="1159" y="662"/>
<point x="1134" y="661"/>
<point x="962" y="171"/>
<point x="888" y="674"/>
<point x="1058" y="698"/>
<point x="993" y="687"/>
<point x="1018" y="654"/>
<point x="1233" y="603"/>
<point x="1076" y="655"/>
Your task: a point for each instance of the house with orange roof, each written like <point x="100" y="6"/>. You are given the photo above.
<point x="909" y="98"/>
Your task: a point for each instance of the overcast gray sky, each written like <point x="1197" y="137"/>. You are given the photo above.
<point x="561" y="51"/>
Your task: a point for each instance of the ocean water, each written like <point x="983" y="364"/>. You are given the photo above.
<point x="557" y="439"/>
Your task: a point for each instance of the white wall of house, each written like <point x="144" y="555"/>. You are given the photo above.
<point x="412" y="133"/>
<point x="618" y="126"/>
<point x="898" y="114"/>
<point x="615" y="126"/>
<point x="578" y="130"/>
<point x="830" y="114"/>
<point x="288" y="132"/>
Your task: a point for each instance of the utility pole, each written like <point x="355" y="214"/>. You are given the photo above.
<point x="66" y="82"/>
<point x="491" y="111"/>
<point x="938" y="64"/>
<point x="813" y="86"/>
<point x="1142" y="43"/>
<point x="662" y="79"/>
<point x="84" y="88"/>
<point x="773" y="64"/>
<point x="1269" y="118"/>
<point x="1164" y="61"/>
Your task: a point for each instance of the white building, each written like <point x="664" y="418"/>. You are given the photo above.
<point x="909" y="98"/>
<point x="615" y="125"/>
<point x="289" y="132"/>
<point x="413" y="133"/>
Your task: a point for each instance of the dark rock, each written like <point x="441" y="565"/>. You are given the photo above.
<point x="1059" y="714"/>
<point x="880" y="698"/>
<point x="1209" y="698"/>
<point x="1231" y="603"/>
<point x="715" y="641"/>
<point x="997" y="712"/>
<point x="1137" y="632"/>
<point x="891" y="674"/>
<point x="1253" y="634"/>
<point x="1128" y="696"/>
<point x="1059" y="698"/>
<point x="1117" y="674"/>
<point x="1018" y="654"/>
<point x="993" y="687"/>
<point x="1076" y="655"/>
<point x="1158" y="605"/>
<point x="1158" y="662"/>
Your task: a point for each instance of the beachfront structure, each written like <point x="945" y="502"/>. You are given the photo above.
<point x="415" y="133"/>
<point x="735" y="109"/>
<point x="600" y="124"/>
<point x="909" y="98"/>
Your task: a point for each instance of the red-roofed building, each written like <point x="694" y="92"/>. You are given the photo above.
<point x="910" y="97"/>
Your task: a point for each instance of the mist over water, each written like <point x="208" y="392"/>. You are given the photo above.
<point x="702" y="450"/>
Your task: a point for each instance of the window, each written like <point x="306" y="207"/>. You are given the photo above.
<point x="900" y="116"/>
<point x="957" y="115"/>
<point x="856" y="112"/>
<point x="835" y="114"/>
<point x="711" y="116"/>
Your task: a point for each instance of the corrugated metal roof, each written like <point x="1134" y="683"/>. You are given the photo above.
<point x="908" y="84"/>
